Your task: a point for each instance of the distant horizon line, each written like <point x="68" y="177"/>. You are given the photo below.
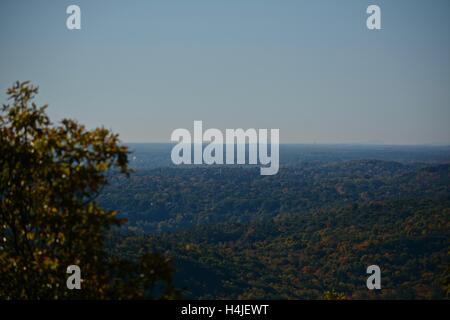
<point x="330" y="144"/>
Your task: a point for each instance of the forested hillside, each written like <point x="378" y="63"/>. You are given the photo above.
<point x="311" y="229"/>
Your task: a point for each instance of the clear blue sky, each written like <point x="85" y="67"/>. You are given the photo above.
<point x="309" y="68"/>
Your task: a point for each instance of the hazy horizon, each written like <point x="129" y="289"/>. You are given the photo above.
<point x="317" y="144"/>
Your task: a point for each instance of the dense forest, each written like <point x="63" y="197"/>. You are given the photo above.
<point x="310" y="230"/>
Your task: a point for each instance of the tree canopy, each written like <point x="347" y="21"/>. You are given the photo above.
<point x="50" y="176"/>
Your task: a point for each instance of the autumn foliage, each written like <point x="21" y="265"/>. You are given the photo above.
<point x="50" y="176"/>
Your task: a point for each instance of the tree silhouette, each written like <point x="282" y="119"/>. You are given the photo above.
<point x="50" y="177"/>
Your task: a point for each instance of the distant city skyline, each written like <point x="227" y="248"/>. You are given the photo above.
<point x="309" y="68"/>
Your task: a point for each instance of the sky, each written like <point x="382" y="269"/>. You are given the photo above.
<point x="309" y="68"/>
